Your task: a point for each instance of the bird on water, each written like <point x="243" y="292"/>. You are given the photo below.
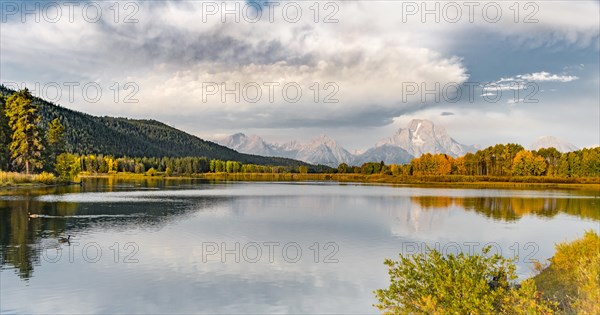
<point x="65" y="239"/>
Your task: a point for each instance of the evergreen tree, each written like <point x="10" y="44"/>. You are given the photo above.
<point x="26" y="145"/>
<point x="4" y="136"/>
<point x="55" y="137"/>
<point x="55" y="141"/>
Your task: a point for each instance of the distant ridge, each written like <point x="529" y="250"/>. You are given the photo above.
<point x="87" y="134"/>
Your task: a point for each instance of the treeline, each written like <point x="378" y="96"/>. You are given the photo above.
<point x="500" y="160"/>
<point x="100" y="164"/>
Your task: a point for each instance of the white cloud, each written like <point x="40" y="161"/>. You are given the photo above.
<point x="528" y="81"/>
<point x="547" y="77"/>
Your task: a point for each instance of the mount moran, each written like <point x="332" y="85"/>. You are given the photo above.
<point x="419" y="137"/>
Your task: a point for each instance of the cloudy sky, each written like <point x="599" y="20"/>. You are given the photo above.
<point x="490" y="72"/>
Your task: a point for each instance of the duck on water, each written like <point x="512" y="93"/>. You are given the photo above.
<point x="65" y="239"/>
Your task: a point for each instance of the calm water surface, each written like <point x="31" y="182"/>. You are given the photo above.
<point x="196" y="247"/>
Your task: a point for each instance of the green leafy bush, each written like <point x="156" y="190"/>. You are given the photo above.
<point x="458" y="284"/>
<point x="67" y="166"/>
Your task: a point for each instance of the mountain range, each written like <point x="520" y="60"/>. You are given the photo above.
<point x="419" y="137"/>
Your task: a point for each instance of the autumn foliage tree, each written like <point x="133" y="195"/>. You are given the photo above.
<point x="528" y="164"/>
<point x="428" y="164"/>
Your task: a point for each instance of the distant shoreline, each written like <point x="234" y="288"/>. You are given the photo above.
<point x="441" y="181"/>
<point x="451" y="181"/>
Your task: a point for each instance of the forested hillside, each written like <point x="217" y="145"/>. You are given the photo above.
<point x="87" y="134"/>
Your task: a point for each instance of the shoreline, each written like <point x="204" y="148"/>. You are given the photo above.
<point x="453" y="181"/>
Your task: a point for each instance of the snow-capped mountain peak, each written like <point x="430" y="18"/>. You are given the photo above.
<point x="324" y="150"/>
<point x="553" y="142"/>
<point x="247" y="144"/>
<point x="415" y="138"/>
<point x="423" y="136"/>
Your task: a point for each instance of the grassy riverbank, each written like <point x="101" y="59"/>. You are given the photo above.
<point x="572" y="276"/>
<point x="13" y="179"/>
